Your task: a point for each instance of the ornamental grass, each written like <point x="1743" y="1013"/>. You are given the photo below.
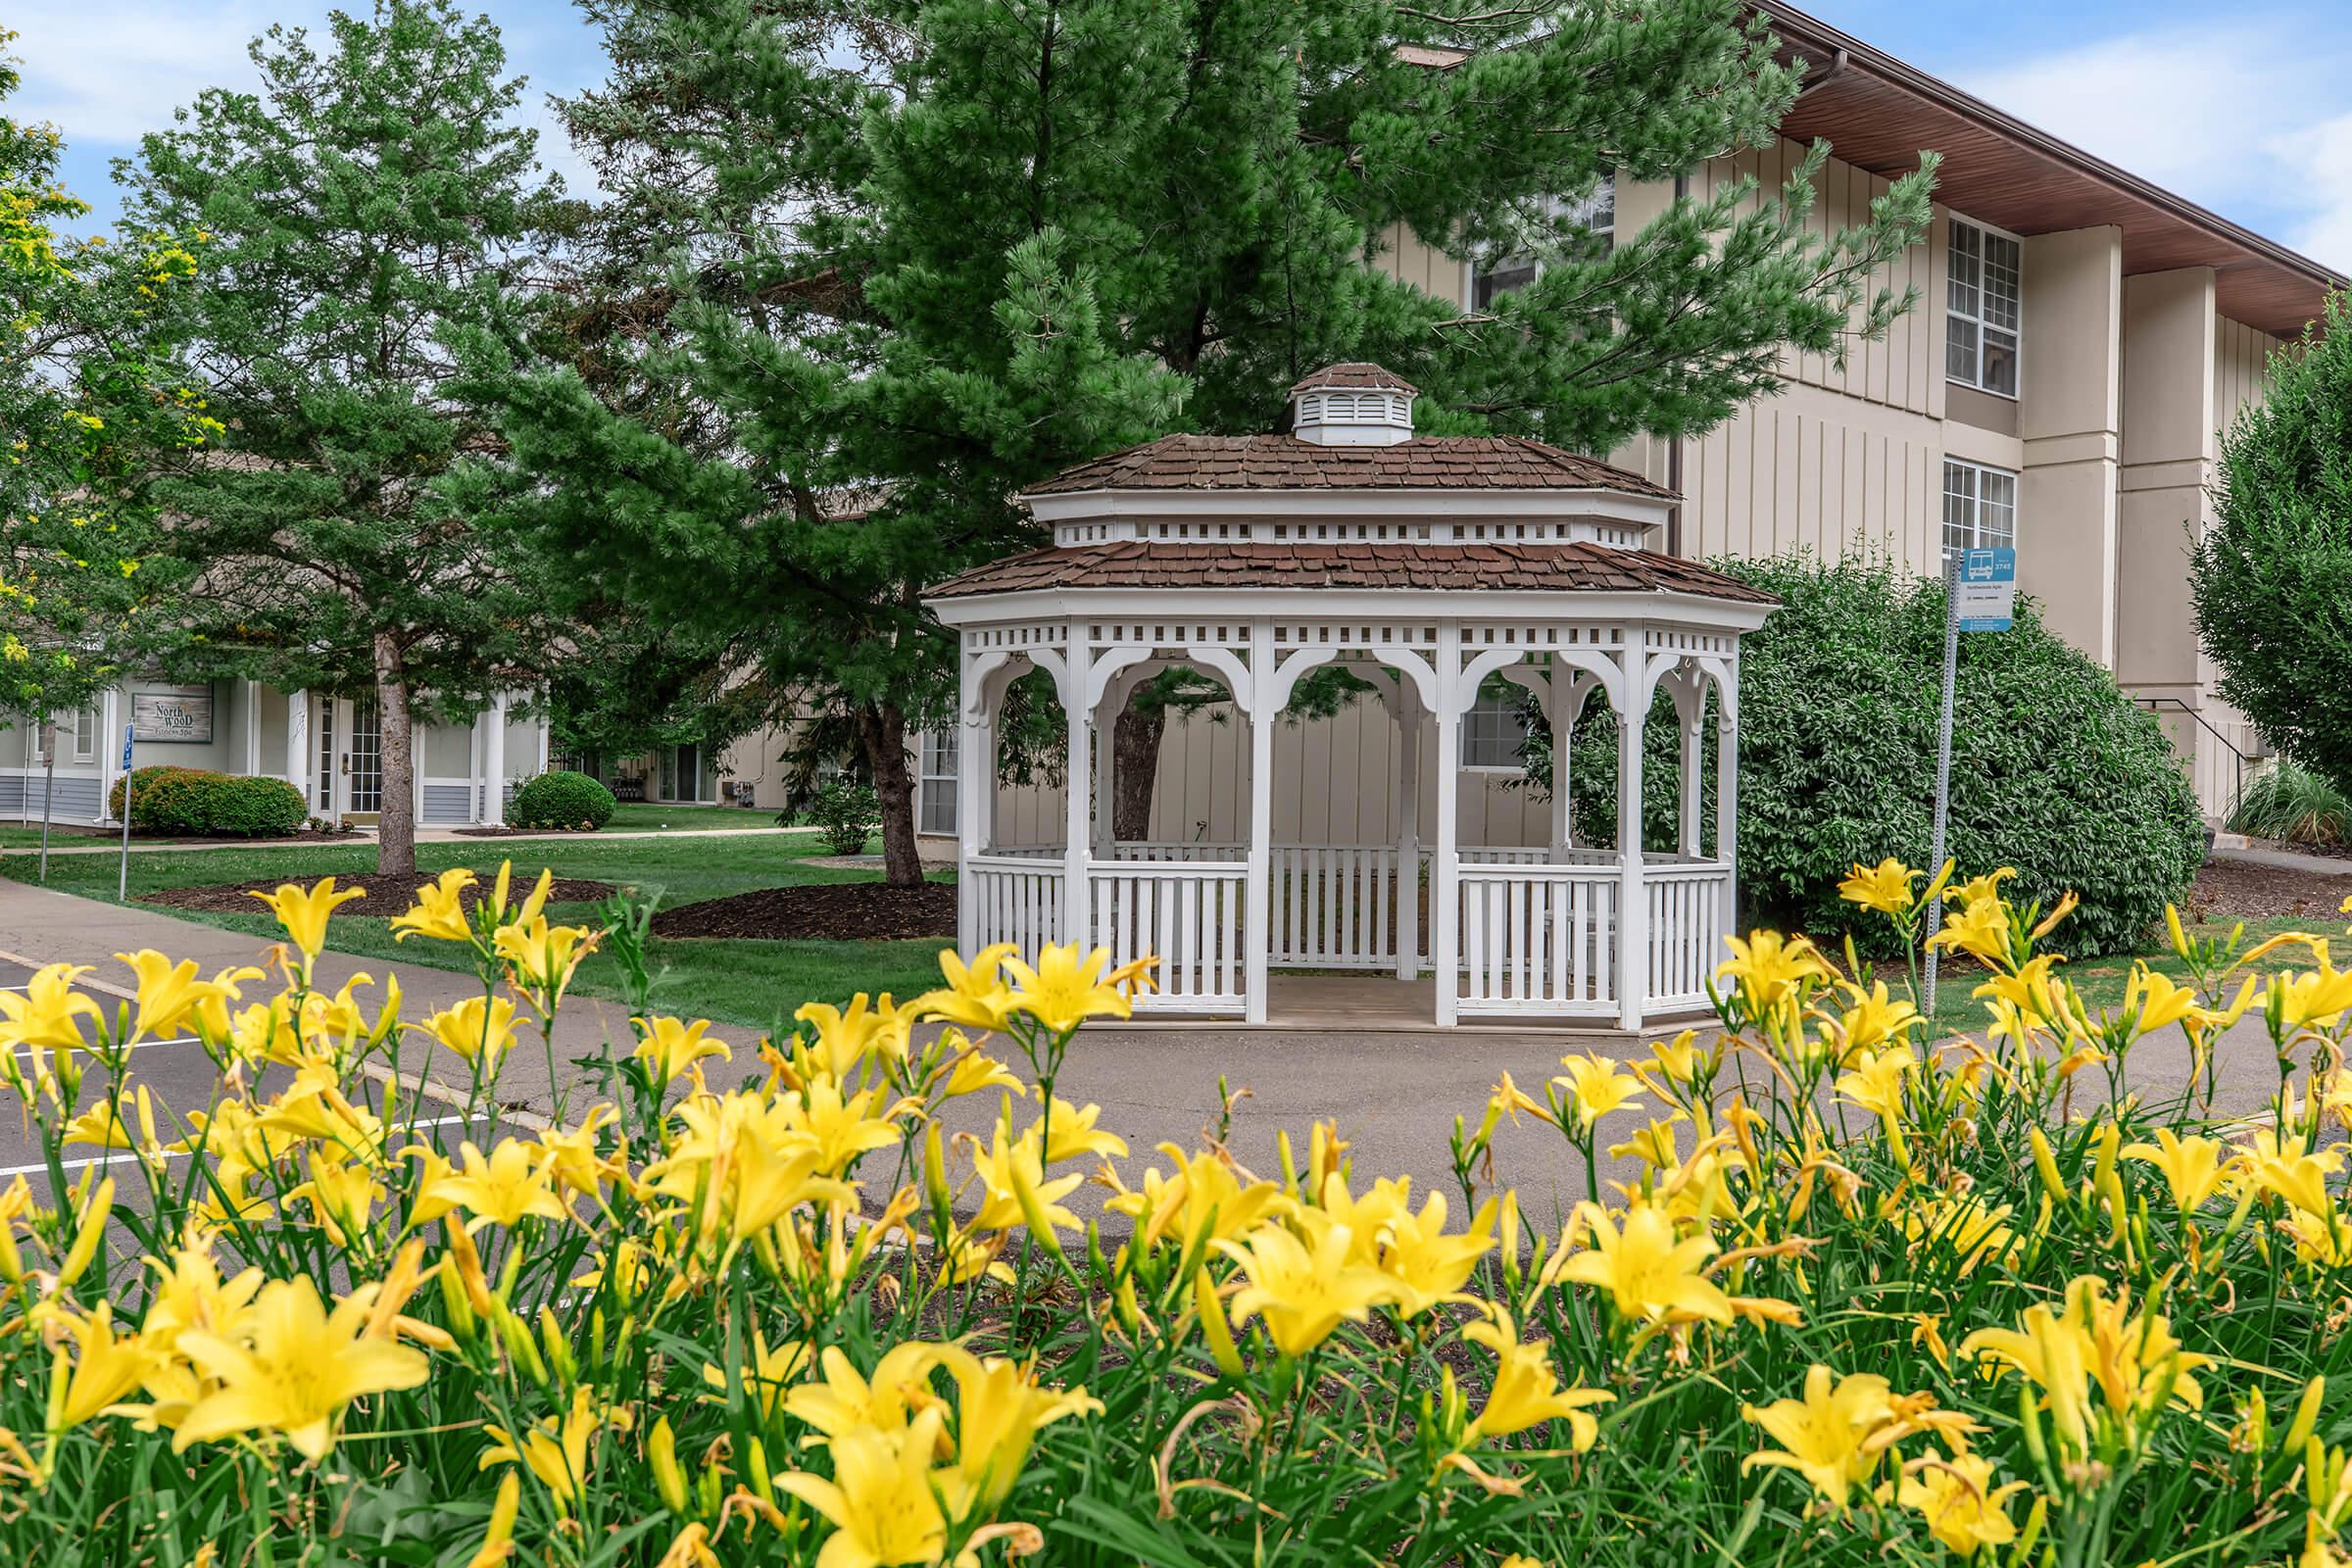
<point x="1857" y="1296"/>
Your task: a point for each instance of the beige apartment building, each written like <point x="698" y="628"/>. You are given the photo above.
<point x="2080" y="339"/>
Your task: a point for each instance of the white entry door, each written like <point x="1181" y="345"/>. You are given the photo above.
<point x="351" y="758"/>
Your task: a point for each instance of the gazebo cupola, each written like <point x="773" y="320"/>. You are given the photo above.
<point x="1353" y="405"/>
<point x="1432" y="569"/>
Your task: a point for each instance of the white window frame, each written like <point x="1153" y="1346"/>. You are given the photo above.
<point x="1966" y="306"/>
<point x="1585" y="210"/>
<point x="1973" y="519"/>
<point x="1494" y="731"/>
<point x="936" y="779"/>
<point x="85" y="734"/>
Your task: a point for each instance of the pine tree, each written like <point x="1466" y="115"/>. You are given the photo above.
<point x="933" y="256"/>
<point x="373" y="199"/>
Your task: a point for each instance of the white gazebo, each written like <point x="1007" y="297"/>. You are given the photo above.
<point x="1425" y="565"/>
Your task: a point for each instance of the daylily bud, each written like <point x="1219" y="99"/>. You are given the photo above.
<point x="661" y="1451"/>
<point x="2307" y="1416"/>
<point x="92" y="1231"/>
<point x="2045" y="1165"/>
<point x="1214" y="1327"/>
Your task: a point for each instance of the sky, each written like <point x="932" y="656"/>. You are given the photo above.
<point x="2246" y="109"/>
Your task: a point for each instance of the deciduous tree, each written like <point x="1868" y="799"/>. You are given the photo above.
<point x="2273" y="575"/>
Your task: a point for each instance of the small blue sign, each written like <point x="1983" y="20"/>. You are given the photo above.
<point x="129" y="732"/>
<point x="1986" y="596"/>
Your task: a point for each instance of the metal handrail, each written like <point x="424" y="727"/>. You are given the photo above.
<point x="2237" y="796"/>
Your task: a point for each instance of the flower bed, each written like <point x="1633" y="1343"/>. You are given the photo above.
<point x="1869" y="1299"/>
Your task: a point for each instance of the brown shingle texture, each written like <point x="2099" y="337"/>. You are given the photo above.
<point x="1286" y="462"/>
<point x="1492" y="567"/>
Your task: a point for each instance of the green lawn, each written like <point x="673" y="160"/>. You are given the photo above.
<point x="632" y="816"/>
<point x="738" y="981"/>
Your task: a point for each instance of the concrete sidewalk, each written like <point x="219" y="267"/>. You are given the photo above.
<point x="83" y="844"/>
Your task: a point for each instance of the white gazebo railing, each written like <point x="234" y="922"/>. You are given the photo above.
<point x="1016" y="896"/>
<point x="1190" y="914"/>
<point x="1539" y="939"/>
<point x="1689" y="916"/>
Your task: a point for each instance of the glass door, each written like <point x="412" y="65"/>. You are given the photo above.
<point x="323" y="786"/>
<point x="364" y="759"/>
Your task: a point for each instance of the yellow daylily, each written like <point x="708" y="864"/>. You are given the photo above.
<point x="975" y="996"/>
<point x="1594" y="1087"/>
<point x="1526" y="1391"/>
<point x="671" y="1047"/>
<point x="303" y="1366"/>
<point x="1302" y="1297"/>
<point x="1884" y="887"/>
<point x="47" y="1015"/>
<point x="541" y="960"/>
<point x="1064" y="989"/>
<point x="881" y="1501"/>
<point x="558" y="1450"/>
<point x="1836" y="1433"/>
<point x="510" y="1185"/>
<point x="1957" y="1501"/>
<point x="439" y="911"/>
<point x="1769" y="969"/>
<point x="999" y="1409"/>
<point x="844" y="1400"/>
<point x="304" y="912"/>
<point x="1651" y="1274"/>
<point x="479" y="1031"/>
<point x="103" y="1368"/>
<point x="2192" y="1166"/>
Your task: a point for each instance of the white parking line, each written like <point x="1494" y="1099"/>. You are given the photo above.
<point x="128" y="1156"/>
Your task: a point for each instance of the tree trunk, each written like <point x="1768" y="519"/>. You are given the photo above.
<point x="396" y="814"/>
<point x="882" y="730"/>
<point x="1135" y="769"/>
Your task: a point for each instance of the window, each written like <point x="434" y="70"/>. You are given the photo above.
<point x="1979" y="508"/>
<point x="85" y="735"/>
<point x="1597" y="214"/>
<point x="935" y="800"/>
<point x="1494" y="729"/>
<point x="1982" y="301"/>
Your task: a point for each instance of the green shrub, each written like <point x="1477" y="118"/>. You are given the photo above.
<point x="560" y="801"/>
<point x="2054" y="770"/>
<point x="2292" y="803"/>
<point x="2273" y="575"/>
<point x="199" y="803"/>
<point x="847" y="815"/>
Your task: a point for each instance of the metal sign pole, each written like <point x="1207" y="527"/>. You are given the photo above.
<point x="1943" y="760"/>
<point x="122" y="874"/>
<point x="48" y="799"/>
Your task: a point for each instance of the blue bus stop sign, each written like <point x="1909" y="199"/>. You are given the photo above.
<point x="1984" y="598"/>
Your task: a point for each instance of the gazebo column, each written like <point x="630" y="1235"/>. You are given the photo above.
<point x="1077" y="918"/>
<point x="1727" y="801"/>
<point x="1632" y="899"/>
<point x="1408" y="711"/>
<point x="1264" y="709"/>
<point x="1690" y="711"/>
<point x="974" y="757"/>
<point x="1445" y="872"/>
<point x="1106" y="723"/>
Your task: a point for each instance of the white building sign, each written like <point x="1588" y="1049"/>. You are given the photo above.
<point x="181" y="714"/>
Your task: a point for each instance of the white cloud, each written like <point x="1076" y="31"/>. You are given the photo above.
<point x="2253" y="120"/>
<point x="107" y="72"/>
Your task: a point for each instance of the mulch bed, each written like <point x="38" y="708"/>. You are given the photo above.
<point x="233" y="898"/>
<point x="2227" y="889"/>
<point x="844" y="911"/>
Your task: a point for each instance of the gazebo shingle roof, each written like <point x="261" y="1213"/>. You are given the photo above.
<point x="1354" y="376"/>
<point x="1286" y="462"/>
<point x="1495" y="568"/>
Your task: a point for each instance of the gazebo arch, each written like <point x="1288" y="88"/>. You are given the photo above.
<point x="1443" y="559"/>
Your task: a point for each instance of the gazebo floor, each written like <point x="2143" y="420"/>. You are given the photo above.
<point x="1372" y="1004"/>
